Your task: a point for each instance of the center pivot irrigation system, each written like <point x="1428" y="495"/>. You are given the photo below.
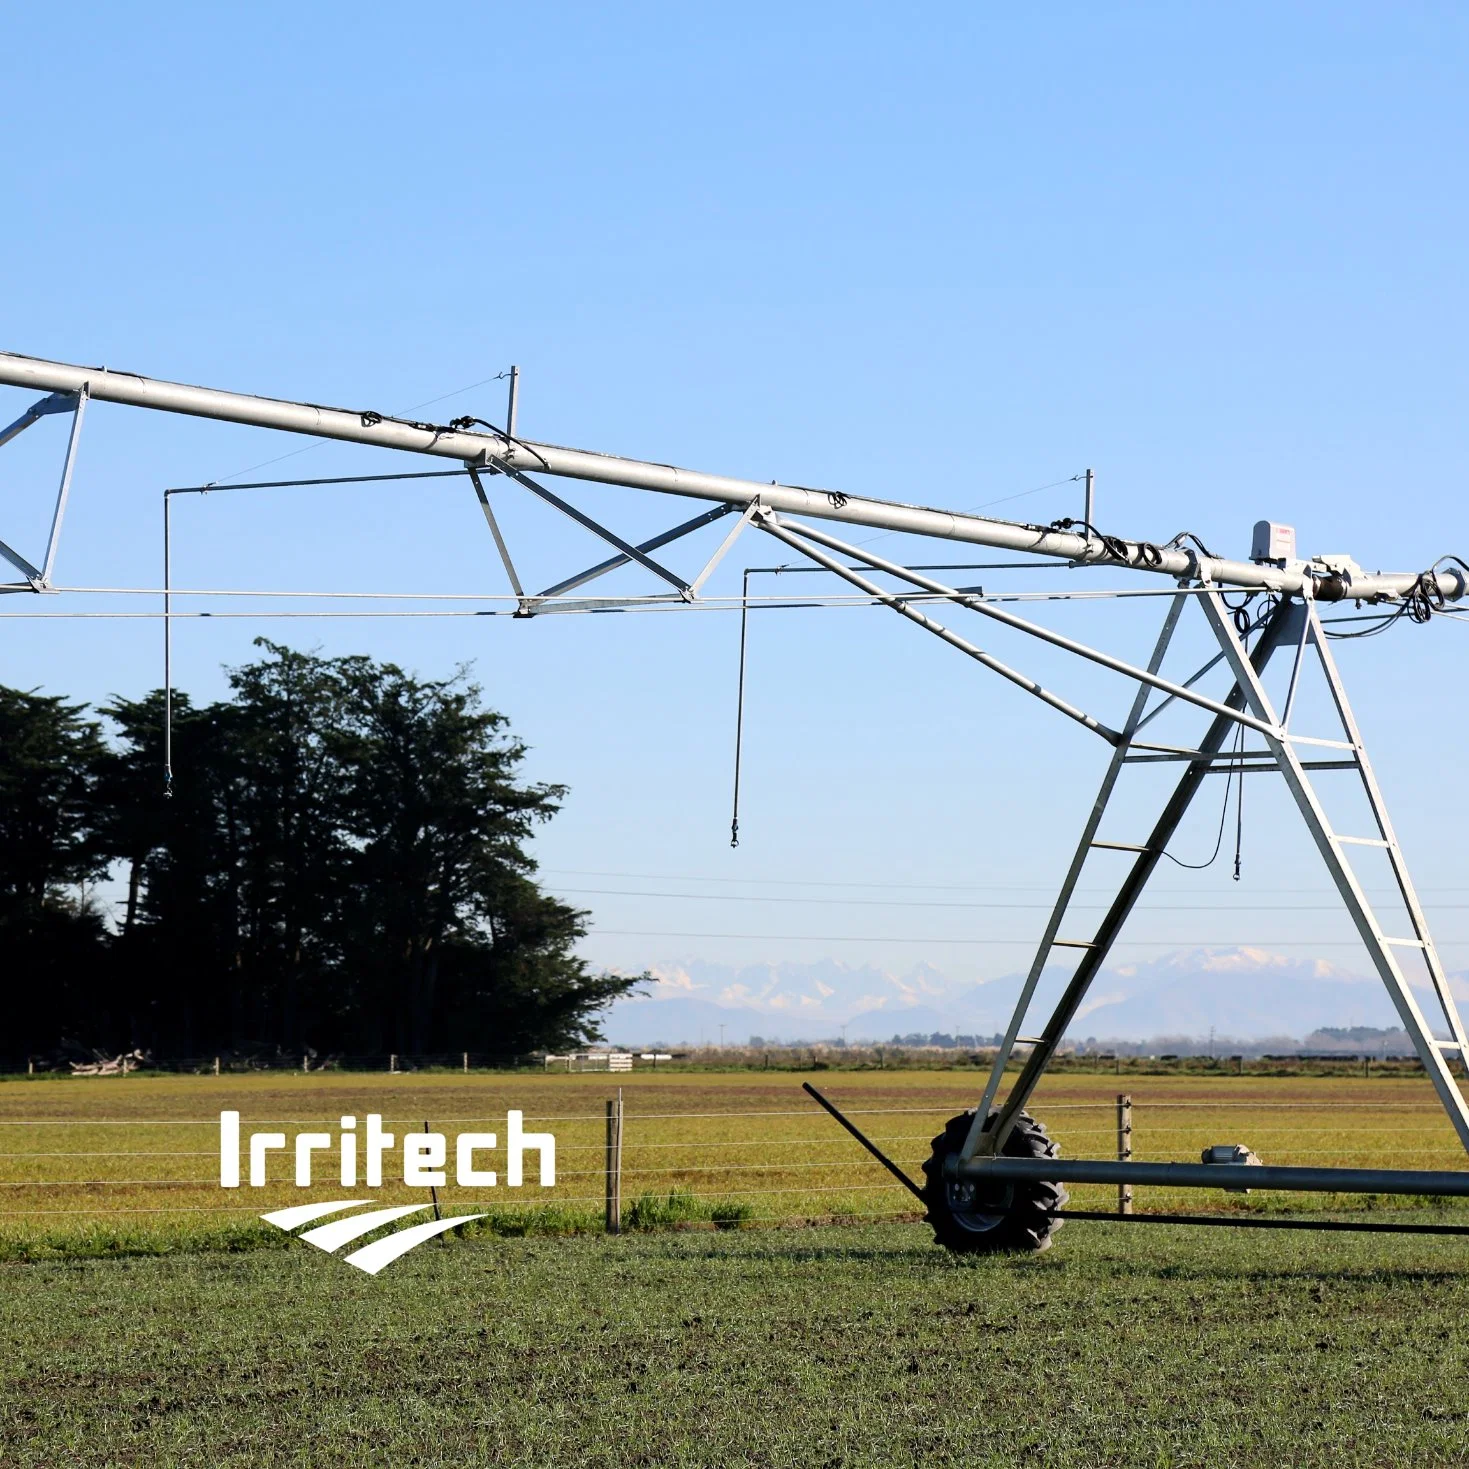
<point x="994" y="1180"/>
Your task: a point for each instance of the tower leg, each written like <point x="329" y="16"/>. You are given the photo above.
<point x="1148" y="855"/>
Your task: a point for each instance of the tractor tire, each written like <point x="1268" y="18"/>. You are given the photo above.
<point x="977" y="1218"/>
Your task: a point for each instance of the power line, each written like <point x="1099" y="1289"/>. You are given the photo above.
<point x="1002" y="907"/>
<point x="926" y="887"/>
<point x="1024" y="942"/>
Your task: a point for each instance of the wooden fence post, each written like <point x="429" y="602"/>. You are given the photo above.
<point x="216" y="1065"/>
<point x="614" y="1164"/>
<point x="1124" y="1150"/>
<point x="466" y="1063"/>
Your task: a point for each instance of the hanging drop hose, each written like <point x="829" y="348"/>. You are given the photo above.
<point x="1236" y="772"/>
<point x="734" y="823"/>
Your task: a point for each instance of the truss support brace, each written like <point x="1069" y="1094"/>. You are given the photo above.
<point x="1073" y="876"/>
<point x="769" y="523"/>
<point x="625" y="559"/>
<point x="1044" y="634"/>
<point x="1297" y="621"/>
<point x="1329" y="843"/>
<point x="38" y="578"/>
<point x="494" y="525"/>
<point x="633" y="553"/>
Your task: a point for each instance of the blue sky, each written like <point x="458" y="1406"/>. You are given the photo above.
<point x="944" y="256"/>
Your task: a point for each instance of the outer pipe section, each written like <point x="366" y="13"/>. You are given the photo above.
<point x="490" y="450"/>
<point x="1213" y="1175"/>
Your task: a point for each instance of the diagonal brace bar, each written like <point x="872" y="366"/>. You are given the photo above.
<point x="53" y="403"/>
<point x="633" y="553"/>
<point x="31" y="573"/>
<point x="494" y="525"/>
<point x="623" y="559"/>
<point x="725" y="546"/>
<point x="1058" y="640"/>
<point x="53" y="541"/>
<point x="768" y="522"/>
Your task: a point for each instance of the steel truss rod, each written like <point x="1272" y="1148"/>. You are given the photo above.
<point x="1147" y="856"/>
<point x="888" y="599"/>
<point x="39" y="578"/>
<point x="52" y="403"/>
<point x="484" y="449"/>
<point x="622" y="559"/>
<point x="633" y="553"/>
<point x="1009" y="619"/>
<point x="494" y="525"/>
<point x="31" y="573"/>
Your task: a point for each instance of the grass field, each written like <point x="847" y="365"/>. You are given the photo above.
<point x="832" y="1346"/>
<point x="147" y="1317"/>
<point x="131" y="1163"/>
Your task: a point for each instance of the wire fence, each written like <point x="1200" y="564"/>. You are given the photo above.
<point x="729" y="1165"/>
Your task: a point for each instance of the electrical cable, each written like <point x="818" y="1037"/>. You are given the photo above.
<point x="1234" y="772"/>
<point x="1115" y="546"/>
<point x="320" y="443"/>
<point x="1177" y="544"/>
<point x="1423" y="601"/>
<point x="469" y="421"/>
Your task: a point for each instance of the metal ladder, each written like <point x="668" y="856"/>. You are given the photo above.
<point x="1294" y="620"/>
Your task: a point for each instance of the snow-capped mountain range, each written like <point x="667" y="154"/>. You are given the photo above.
<point x="1240" y="992"/>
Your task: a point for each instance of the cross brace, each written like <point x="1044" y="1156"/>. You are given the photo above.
<point x="1292" y="621"/>
<point x="38" y="578"/>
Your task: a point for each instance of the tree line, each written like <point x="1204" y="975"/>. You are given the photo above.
<point x="337" y="864"/>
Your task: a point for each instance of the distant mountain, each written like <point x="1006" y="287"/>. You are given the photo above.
<point x="1243" y="992"/>
<point x="782" y="1002"/>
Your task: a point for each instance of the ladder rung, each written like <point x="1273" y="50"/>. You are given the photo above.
<point x="1121" y="847"/>
<point x="1445" y="1045"/>
<point x="1073" y="944"/>
<point x="1361" y="841"/>
<point x="1296" y="739"/>
<point x="1406" y="943"/>
<point x="1030" y="1040"/>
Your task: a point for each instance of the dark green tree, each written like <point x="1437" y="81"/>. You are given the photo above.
<point x="341" y="864"/>
<point x="446" y="924"/>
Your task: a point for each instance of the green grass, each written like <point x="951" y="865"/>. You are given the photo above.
<point x="832" y="1346"/>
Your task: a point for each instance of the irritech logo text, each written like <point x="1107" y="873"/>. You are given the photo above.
<point x="424" y="1156"/>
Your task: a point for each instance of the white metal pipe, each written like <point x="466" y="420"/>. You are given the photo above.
<point x="1213" y="1175"/>
<point x="380" y="431"/>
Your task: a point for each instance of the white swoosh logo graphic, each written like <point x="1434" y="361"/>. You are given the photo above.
<point x="339" y="1232"/>
<point x="371" y="1257"/>
<point x="380" y="1252"/>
